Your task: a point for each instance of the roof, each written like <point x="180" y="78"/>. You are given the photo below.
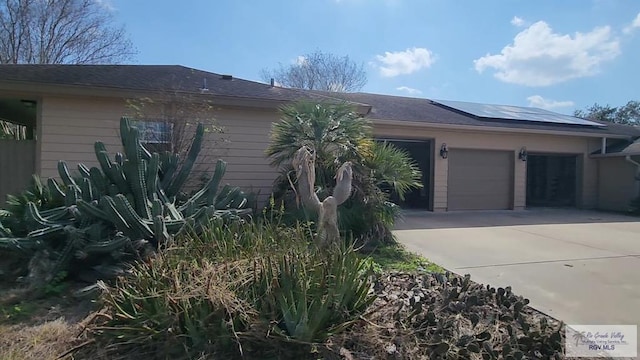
<point x="176" y="78"/>
<point x="620" y="148"/>
<point x="150" y="78"/>
<point x="420" y="110"/>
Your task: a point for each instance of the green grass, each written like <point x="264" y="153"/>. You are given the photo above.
<point x="17" y="312"/>
<point x="396" y="257"/>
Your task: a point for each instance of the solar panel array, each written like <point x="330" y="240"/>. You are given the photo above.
<point x="516" y="113"/>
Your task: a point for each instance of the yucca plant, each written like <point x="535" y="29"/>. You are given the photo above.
<point x="312" y="295"/>
<point x="337" y="134"/>
<point x="232" y="289"/>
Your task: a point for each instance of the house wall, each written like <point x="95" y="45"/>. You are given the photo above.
<point x="617" y="185"/>
<point x="242" y="145"/>
<point x="68" y="128"/>
<point x="588" y="186"/>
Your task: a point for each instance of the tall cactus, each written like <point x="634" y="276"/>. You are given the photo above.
<point x="115" y="208"/>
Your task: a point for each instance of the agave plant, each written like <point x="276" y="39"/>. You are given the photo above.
<point x="317" y="293"/>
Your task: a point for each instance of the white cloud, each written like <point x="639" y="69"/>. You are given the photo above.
<point x="409" y="90"/>
<point x="540" y="57"/>
<point x="540" y="102"/>
<point x="517" y="21"/>
<point x="106" y="4"/>
<point x="404" y="62"/>
<point x="300" y="60"/>
<point x="634" y="25"/>
<point x="636" y="21"/>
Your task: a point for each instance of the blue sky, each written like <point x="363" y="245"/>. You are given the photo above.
<point x="560" y="55"/>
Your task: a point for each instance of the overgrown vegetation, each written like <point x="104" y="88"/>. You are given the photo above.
<point x="234" y="290"/>
<point x="337" y="134"/>
<point x="197" y="280"/>
<point x="446" y="316"/>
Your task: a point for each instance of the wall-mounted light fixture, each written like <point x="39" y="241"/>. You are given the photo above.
<point x="444" y="152"/>
<point x="522" y="155"/>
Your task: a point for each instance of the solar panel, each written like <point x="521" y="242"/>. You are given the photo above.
<point x="516" y="113"/>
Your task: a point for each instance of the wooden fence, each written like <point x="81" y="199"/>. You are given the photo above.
<point x="17" y="164"/>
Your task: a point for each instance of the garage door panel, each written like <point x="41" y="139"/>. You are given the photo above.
<point x="487" y="185"/>
<point x="480" y="180"/>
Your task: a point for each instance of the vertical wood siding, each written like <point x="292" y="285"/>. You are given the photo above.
<point x="17" y="164"/>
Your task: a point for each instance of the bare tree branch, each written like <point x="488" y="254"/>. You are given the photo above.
<point x="60" y="32"/>
<point x="319" y="71"/>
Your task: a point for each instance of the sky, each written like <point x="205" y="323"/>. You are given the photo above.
<point x="558" y="55"/>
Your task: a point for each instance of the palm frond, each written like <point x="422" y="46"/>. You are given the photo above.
<point x="394" y="167"/>
<point x="336" y="132"/>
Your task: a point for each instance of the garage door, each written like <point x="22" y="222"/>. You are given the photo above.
<point x="480" y="180"/>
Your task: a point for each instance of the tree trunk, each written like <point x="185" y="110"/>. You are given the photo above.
<point x="327" y="210"/>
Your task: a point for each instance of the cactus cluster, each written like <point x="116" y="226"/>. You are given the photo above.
<point x="120" y="210"/>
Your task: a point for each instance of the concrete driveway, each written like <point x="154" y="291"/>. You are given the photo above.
<point x="581" y="267"/>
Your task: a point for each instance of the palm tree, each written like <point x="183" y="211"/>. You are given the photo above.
<point x="336" y="133"/>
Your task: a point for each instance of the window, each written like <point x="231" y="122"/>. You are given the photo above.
<point x="155" y="135"/>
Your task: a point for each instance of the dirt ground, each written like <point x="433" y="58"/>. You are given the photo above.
<point x="41" y="329"/>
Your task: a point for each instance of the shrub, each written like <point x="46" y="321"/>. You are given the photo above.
<point x="235" y="289"/>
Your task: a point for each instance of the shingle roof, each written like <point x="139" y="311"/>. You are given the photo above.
<point x="163" y="78"/>
<point x="152" y="78"/>
<point x="419" y="110"/>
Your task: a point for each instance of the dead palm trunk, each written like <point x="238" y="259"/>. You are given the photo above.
<point x="327" y="210"/>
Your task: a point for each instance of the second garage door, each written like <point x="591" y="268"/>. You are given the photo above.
<point x="480" y="180"/>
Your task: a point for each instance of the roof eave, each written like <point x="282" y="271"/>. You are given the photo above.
<point x="614" y="154"/>
<point x="498" y="129"/>
<point x="114" y="92"/>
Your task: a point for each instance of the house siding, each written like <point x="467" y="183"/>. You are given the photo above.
<point x="245" y="139"/>
<point x="69" y="127"/>
<point x="507" y="142"/>
<point x="617" y="185"/>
